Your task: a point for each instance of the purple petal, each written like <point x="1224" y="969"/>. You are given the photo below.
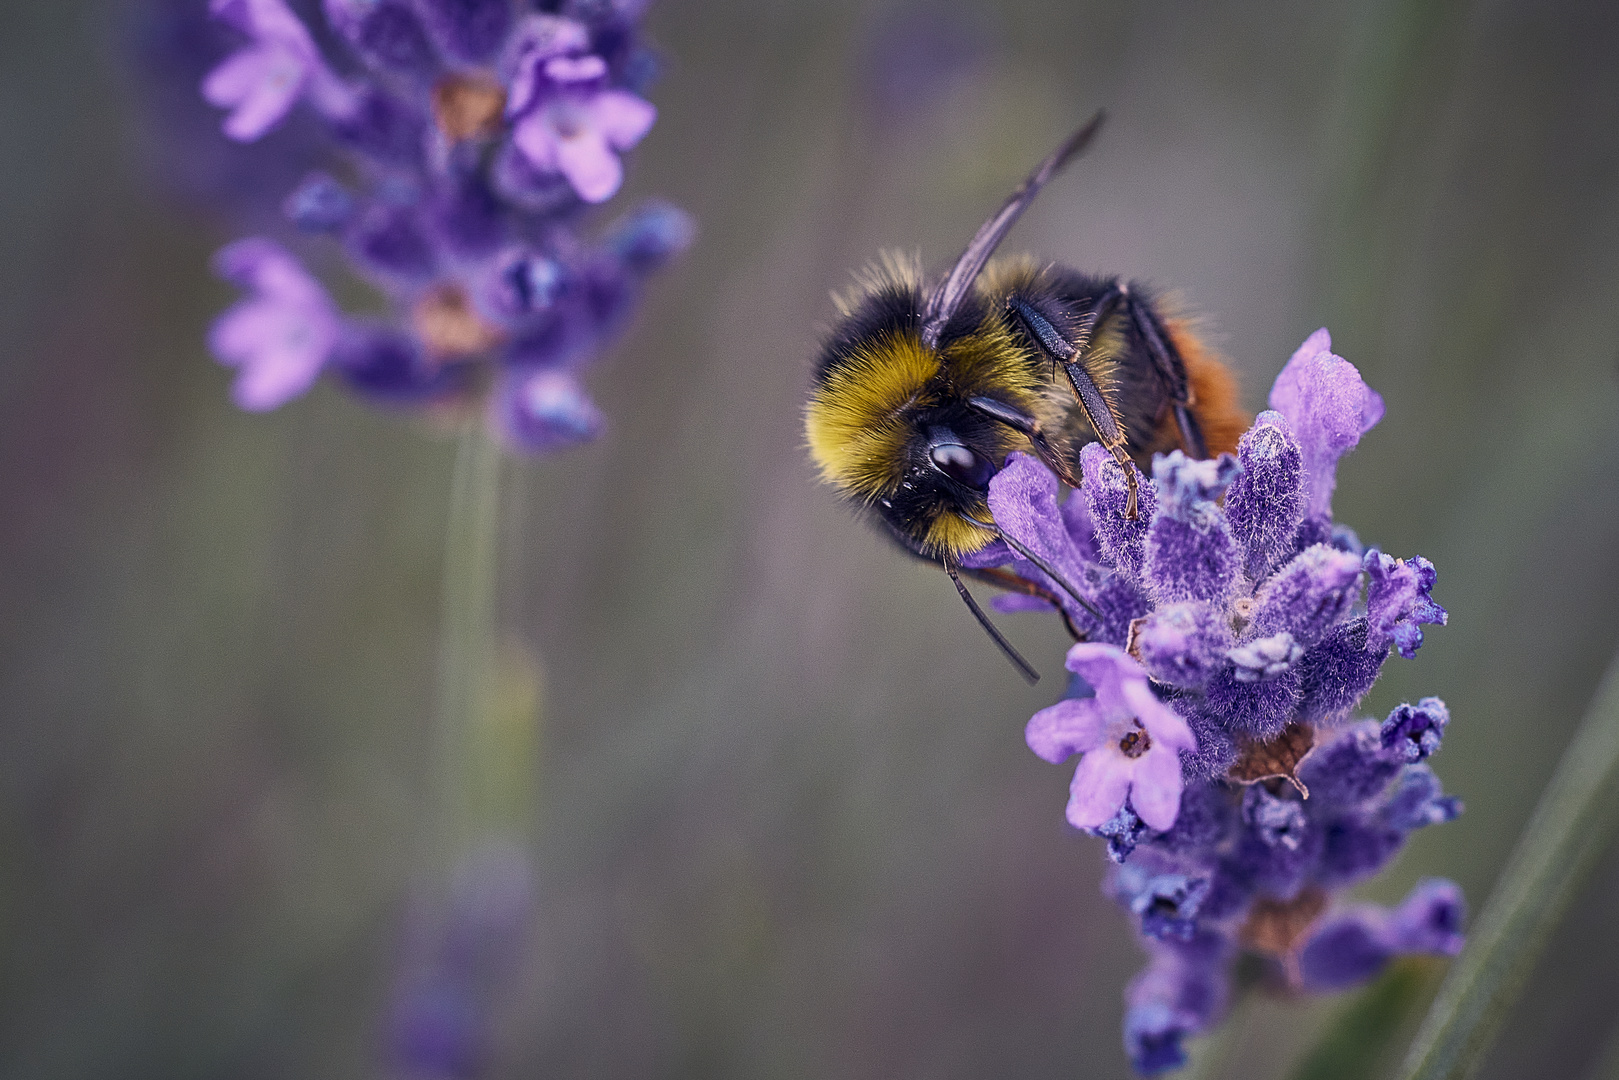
<point x="565" y="69"/>
<point x="1008" y="603"/>
<point x="1023" y="502"/>
<point x="590" y="166"/>
<point x="278" y="350"/>
<point x="1346" y="950"/>
<point x="1335" y="674"/>
<point x="1415" y="731"/>
<point x="537" y="40"/>
<point x="1106" y="668"/>
<point x="469" y="30"/>
<point x="236" y="77"/>
<point x="1329" y="406"/>
<point x="241" y="330"/>
<point x="1419" y="800"/>
<point x="1100" y="785"/>
<point x="280" y="338"/>
<point x="996" y="553"/>
<point x="275" y="379"/>
<point x="264" y="266"/>
<point x="1398" y="600"/>
<point x="260" y="86"/>
<point x="1186" y="484"/>
<point x="387" y="33"/>
<point x="537" y="139"/>
<point x="1265" y="658"/>
<point x="1190" y="553"/>
<point x="1163" y="723"/>
<point x="621" y="117"/>
<point x="1073" y="725"/>
<point x="1076" y="517"/>
<point x="1155" y="789"/>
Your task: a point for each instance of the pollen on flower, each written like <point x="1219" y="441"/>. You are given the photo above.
<point x="1228" y="642"/>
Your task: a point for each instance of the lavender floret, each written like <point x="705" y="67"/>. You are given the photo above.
<point x="1415" y="731"/>
<point x="1236" y="639"/>
<point x="472" y="139"/>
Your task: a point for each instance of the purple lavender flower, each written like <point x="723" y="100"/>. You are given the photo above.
<point x="1228" y="646"/>
<point x="1127" y="736"/>
<point x="278" y="339"/>
<point x="262" y="81"/>
<point x="1329" y="407"/>
<point x="469" y="140"/>
<point x="1397" y="601"/>
<point x="566" y="119"/>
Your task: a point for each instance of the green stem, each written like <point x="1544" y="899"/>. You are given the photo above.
<point x="1211" y="1055"/>
<point x="1360" y="1041"/>
<point x="466" y="631"/>
<point x="1570" y="827"/>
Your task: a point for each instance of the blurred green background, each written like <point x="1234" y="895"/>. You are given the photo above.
<point x="786" y="825"/>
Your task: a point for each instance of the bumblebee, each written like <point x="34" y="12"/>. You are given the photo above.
<point x="923" y="388"/>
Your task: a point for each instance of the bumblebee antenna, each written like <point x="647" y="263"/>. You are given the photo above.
<point x="1030" y="675"/>
<point x="948" y="295"/>
<point x="1049" y="570"/>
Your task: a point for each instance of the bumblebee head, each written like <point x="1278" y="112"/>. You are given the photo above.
<point x="889" y="423"/>
<point x="892" y="422"/>
<point x="921" y="393"/>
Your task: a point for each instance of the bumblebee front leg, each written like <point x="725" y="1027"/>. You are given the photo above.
<point x="1098" y="410"/>
<point x="1028" y="425"/>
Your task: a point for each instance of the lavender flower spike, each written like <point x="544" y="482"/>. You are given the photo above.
<point x="279" y="338"/>
<point x="451" y="165"/>
<point x="1329" y="407"/>
<point x="1231" y="649"/>
<point x="1129" y="739"/>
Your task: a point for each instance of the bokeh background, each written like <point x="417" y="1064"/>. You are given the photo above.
<point x="784" y="821"/>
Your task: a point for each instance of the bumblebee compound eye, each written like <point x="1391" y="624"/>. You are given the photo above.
<point x="962" y="465"/>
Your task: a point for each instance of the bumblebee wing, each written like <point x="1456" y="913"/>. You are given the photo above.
<point x="948" y="295"/>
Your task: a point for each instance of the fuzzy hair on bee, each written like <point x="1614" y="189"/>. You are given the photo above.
<point x="924" y="387"/>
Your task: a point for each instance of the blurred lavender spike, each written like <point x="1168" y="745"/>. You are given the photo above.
<point x="470" y="140"/>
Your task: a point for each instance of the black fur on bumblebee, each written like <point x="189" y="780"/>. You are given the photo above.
<point x="922" y="390"/>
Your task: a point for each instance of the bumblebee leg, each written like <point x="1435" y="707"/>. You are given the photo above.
<point x="1172" y="369"/>
<point x="1030" y="675"/>
<point x="1028" y="425"/>
<point x="1003" y="578"/>
<point x="1069" y="354"/>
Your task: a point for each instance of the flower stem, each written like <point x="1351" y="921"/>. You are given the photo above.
<point x="1569" y="828"/>
<point x="466" y="632"/>
<point x="1212" y="1055"/>
<point x="1360" y="1041"/>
